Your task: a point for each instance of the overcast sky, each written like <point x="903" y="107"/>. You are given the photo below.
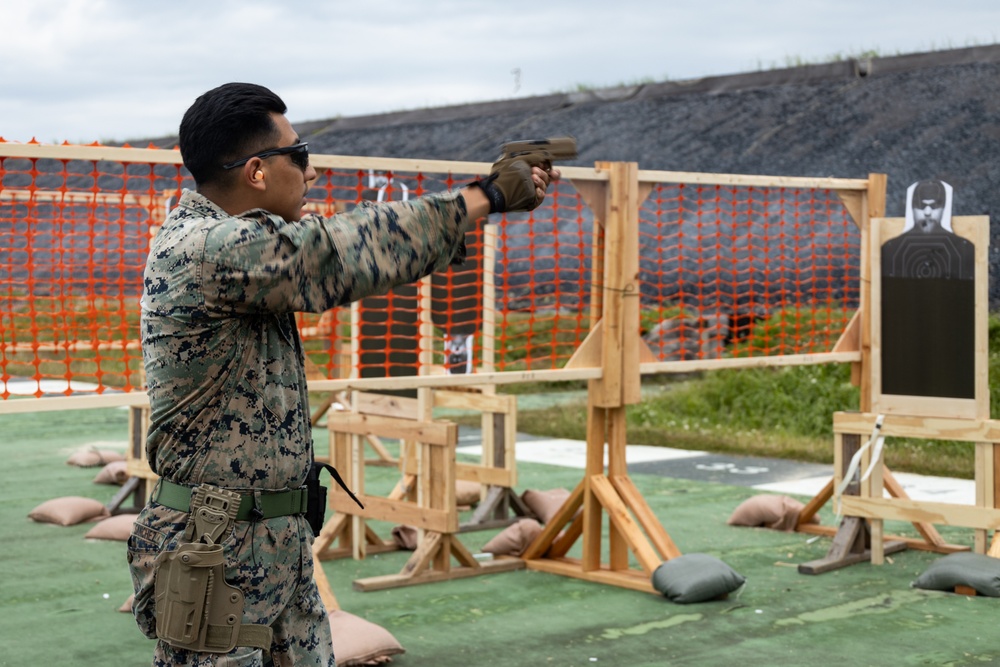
<point x="113" y="70"/>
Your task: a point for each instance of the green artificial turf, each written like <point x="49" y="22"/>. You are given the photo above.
<point x="59" y="592"/>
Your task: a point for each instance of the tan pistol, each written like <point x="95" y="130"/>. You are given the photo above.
<point x="544" y="151"/>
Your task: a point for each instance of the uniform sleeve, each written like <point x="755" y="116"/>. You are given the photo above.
<point x="318" y="263"/>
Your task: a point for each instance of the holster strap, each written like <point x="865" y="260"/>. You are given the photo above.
<point x="271" y="504"/>
<point x="257" y="636"/>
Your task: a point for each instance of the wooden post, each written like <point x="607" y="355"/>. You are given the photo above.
<point x="632" y="524"/>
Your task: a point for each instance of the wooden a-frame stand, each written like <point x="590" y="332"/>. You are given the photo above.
<point x="615" y="345"/>
<point x="860" y="536"/>
<point x="424" y="497"/>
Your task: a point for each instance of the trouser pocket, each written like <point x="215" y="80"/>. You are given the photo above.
<point x="144" y="545"/>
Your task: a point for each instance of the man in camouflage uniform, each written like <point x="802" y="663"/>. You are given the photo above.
<point x="224" y="365"/>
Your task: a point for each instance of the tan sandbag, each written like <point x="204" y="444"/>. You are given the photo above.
<point x="514" y="539"/>
<point x="68" y="511"/>
<point x="360" y="642"/>
<point x="91" y="457"/>
<point x="770" y="511"/>
<point x="115" y="472"/>
<point x="545" y="504"/>
<point x="117" y="527"/>
<point x="405" y="537"/>
<point x="467" y="494"/>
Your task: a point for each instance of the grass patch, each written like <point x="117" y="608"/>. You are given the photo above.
<point x="780" y="413"/>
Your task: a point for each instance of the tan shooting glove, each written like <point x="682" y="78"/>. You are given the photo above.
<point x="509" y="187"/>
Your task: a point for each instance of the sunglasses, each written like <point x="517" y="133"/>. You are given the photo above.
<point x="299" y="154"/>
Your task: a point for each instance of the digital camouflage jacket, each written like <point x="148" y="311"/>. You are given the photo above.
<point x="224" y="364"/>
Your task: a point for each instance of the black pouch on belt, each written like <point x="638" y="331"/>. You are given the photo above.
<point x="316" y="492"/>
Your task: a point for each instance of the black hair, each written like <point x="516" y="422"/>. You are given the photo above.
<point x="226" y="124"/>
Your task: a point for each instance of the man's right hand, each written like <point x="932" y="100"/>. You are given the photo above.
<point x="519" y="179"/>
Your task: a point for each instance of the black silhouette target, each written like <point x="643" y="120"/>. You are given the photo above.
<point x="916" y="255"/>
<point x="928" y="315"/>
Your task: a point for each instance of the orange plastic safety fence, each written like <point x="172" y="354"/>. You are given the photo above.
<point x="74" y="235"/>
<point x="745" y="271"/>
<point x="545" y="263"/>
<point x="531" y="316"/>
<point x="723" y="271"/>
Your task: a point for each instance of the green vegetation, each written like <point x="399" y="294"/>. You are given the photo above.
<point x="781" y="412"/>
<point x="774" y="412"/>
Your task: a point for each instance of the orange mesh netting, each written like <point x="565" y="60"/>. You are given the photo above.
<point x="73" y="241"/>
<point x="745" y="271"/>
<point x="724" y="271"/>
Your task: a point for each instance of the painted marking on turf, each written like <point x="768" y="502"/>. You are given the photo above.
<point x="644" y="628"/>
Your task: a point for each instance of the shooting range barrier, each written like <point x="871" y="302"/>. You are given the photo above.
<point x="621" y="273"/>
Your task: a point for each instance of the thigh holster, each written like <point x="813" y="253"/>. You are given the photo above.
<point x="196" y="609"/>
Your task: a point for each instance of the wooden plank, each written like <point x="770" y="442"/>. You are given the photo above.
<point x="872" y="209"/>
<point x="619" y="542"/>
<point x="562" y="516"/>
<point x="60" y="403"/>
<point x="424" y="554"/>
<point x="595" y="195"/>
<point x="358" y="526"/>
<point x="749" y="362"/>
<point x="850" y="338"/>
<point x="896" y="490"/>
<point x="926" y="405"/>
<point x="655" y="531"/>
<point x="92" y="153"/>
<point x="996" y="476"/>
<point x="330" y="531"/>
<point x="490" y="234"/>
<point x="588" y="354"/>
<point x="393" y="511"/>
<point x="462" y="380"/>
<point x="386" y="582"/>
<point x="384" y="405"/>
<point x="814" y="505"/>
<point x="73" y="346"/>
<point x="631" y="335"/>
<point x="745" y="180"/>
<point x="911" y="542"/>
<point x="620" y="517"/>
<point x="853" y="201"/>
<point x="978" y="227"/>
<point x="442" y="434"/>
<point x="484" y="475"/>
<point x="929" y="428"/>
<point x="914" y="511"/>
<point x="463" y="555"/>
<point x="609" y="388"/>
<point x="994" y="550"/>
<point x="509" y="444"/>
<point x="567" y="538"/>
<point x="567" y="567"/>
<point x="464" y="400"/>
<point x="323" y="584"/>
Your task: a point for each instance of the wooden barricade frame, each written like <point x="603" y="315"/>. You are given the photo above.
<point x="860" y="537"/>
<point x="423" y="498"/>
<point x="612" y="359"/>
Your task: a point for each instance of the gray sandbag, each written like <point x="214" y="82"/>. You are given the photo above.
<point x="695" y="578"/>
<point x="962" y="569"/>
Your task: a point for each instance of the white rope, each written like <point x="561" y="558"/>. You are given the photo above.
<point x="876" y="443"/>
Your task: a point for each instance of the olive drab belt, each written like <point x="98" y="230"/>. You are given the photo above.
<point x="252" y="505"/>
